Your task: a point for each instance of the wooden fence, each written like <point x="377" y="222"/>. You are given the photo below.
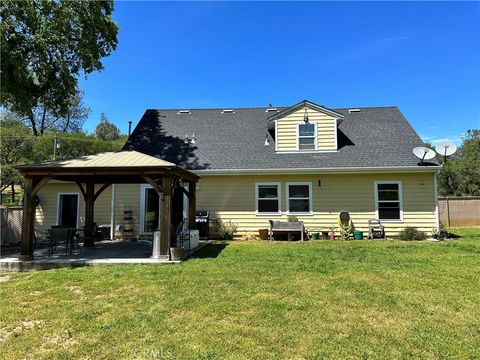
<point x="459" y="211"/>
<point x="10" y="225"/>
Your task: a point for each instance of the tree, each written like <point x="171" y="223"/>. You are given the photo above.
<point x="72" y="121"/>
<point x="46" y="45"/>
<point x="16" y="147"/>
<point x="106" y="130"/>
<point x="460" y="176"/>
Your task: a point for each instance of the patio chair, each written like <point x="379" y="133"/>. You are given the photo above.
<point x="375" y="229"/>
<point x="42" y="239"/>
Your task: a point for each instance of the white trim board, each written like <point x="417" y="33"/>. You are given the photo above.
<point x="333" y="170"/>
<point x="57" y="220"/>
<point x="400" y="199"/>
<point x="287" y="198"/>
<point x="279" y="192"/>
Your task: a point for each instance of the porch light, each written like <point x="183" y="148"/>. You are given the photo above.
<point x="187" y="140"/>
<point x="305" y="116"/>
<point x="193" y="139"/>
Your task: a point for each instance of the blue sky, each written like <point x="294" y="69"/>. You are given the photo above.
<point x="423" y="57"/>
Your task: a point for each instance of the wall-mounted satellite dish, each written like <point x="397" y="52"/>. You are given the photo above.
<point x="446" y="148"/>
<point x="423" y="153"/>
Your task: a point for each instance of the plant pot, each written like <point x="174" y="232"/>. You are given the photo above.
<point x="263" y="233"/>
<point x="358" y="235"/>
<point x="332" y="236"/>
<point x="176" y="253"/>
<point x="315" y="236"/>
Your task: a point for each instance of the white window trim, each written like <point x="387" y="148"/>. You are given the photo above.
<point x="287" y="185"/>
<point x="315" y="140"/>
<point x="58" y="206"/>
<point x="276" y="135"/>
<point x="279" y="187"/>
<point x="400" y="198"/>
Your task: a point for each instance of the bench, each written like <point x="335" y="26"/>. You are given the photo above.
<point x="288" y="227"/>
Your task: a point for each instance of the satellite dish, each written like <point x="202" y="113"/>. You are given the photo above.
<point x="423" y="153"/>
<point x="446" y="148"/>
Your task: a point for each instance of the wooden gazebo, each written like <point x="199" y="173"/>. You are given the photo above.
<point x="124" y="167"/>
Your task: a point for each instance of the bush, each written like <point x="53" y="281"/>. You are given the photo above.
<point x="292" y="218"/>
<point x="226" y="230"/>
<point x="412" y="233"/>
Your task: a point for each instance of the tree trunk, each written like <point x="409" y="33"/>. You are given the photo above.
<point x="13" y="193"/>
<point x="31" y="117"/>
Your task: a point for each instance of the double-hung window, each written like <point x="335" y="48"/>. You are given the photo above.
<point x="306" y="136"/>
<point x="268" y="196"/>
<point x="299" y="198"/>
<point x="388" y="199"/>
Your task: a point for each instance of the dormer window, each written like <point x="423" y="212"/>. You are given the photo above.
<point x="306" y="136"/>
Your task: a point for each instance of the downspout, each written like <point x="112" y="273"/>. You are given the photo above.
<point x="112" y="214"/>
<point x="437" y="215"/>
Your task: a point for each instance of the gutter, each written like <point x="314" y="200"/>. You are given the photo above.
<point x="337" y="170"/>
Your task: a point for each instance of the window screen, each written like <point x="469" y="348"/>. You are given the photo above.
<point x="388" y="196"/>
<point x="268" y="198"/>
<point x="299" y="198"/>
<point x="306" y="136"/>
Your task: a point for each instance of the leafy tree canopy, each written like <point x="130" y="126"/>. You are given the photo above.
<point x="46" y="45"/>
<point x="106" y="130"/>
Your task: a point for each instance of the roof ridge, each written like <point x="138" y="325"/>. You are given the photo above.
<point x="266" y="107"/>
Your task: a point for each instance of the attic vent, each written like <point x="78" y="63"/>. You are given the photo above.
<point x="353" y="110"/>
<point x="271" y="109"/>
<point x="228" y="111"/>
<point x="184" y="112"/>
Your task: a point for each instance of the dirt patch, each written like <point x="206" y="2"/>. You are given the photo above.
<point x="5" y="278"/>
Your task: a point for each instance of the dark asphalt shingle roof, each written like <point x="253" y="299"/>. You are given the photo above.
<point x="373" y="137"/>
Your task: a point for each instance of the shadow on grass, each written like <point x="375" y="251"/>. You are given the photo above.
<point x="210" y="251"/>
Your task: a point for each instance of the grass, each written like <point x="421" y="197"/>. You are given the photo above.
<point x="257" y="300"/>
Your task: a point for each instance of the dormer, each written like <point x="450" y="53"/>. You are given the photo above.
<point x="305" y="127"/>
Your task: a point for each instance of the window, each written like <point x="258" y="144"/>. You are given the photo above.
<point x="388" y="198"/>
<point x="299" y="198"/>
<point x="306" y="136"/>
<point x="267" y="197"/>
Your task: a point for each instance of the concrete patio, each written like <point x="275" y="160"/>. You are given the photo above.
<point x="105" y="252"/>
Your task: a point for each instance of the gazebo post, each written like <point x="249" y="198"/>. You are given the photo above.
<point x="166" y="217"/>
<point x="89" y="212"/>
<point x="26" y="247"/>
<point x="192" y="204"/>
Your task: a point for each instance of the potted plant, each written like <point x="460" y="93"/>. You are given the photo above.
<point x="263" y="233"/>
<point x="332" y="232"/>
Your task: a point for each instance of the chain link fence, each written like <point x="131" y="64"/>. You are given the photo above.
<point x="459" y="211"/>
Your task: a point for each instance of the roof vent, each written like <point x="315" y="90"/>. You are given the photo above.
<point x="184" y="112"/>
<point x="228" y="111"/>
<point x="271" y="109"/>
<point x="353" y="110"/>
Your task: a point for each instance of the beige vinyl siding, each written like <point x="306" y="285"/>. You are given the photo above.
<point x="46" y="214"/>
<point x="286" y="131"/>
<point x="233" y="198"/>
<point x="128" y="195"/>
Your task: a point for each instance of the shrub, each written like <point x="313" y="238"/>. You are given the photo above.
<point x="292" y="218"/>
<point x="412" y="233"/>
<point x="226" y="230"/>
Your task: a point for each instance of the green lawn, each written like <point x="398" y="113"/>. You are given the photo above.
<point x="256" y="300"/>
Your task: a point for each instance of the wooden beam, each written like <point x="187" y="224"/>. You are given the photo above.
<point x="166" y="217"/>
<point x="39" y="185"/>
<point x="26" y="246"/>
<point x="89" y="212"/>
<point x="99" y="191"/>
<point x="82" y="189"/>
<point x="158" y="187"/>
